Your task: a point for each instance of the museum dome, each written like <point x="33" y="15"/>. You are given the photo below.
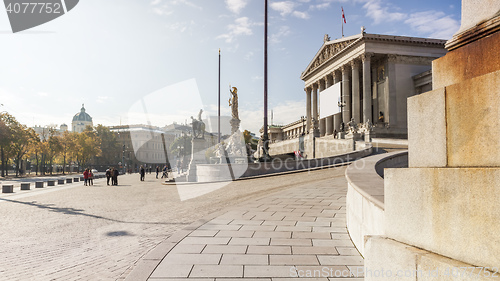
<point x="82" y="116"/>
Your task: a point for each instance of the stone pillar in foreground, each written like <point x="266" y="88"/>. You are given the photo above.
<point x="442" y="212"/>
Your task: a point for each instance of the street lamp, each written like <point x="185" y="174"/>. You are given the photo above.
<point x="123" y="159"/>
<point x="342" y="105"/>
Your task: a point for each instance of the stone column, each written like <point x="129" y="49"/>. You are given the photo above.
<point x="322" y="127"/>
<point x="346" y="95"/>
<point x="308" y="108"/>
<point x="375" y="95"/>
<point x="315" y="106"/>
<point x="329" y="81"/>
<point x="322" y="87"/>
<point x="337" y="76"/>
<point x="367" y="88"/>
<point x="329" y="125"/>
<point x="355" y="91"/>
<point x="392" y="111"/>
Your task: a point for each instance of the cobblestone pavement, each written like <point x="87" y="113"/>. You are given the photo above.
<point x="76" y="232"/>
<point x="298" y="232"/>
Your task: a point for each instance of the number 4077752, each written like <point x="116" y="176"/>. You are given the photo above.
<point x="32" y="8"/>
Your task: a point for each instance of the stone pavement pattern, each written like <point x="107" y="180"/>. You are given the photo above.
<point x="298" y="232"/>
<point x="76" y="232"/>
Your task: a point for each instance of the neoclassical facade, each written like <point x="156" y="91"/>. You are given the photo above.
<point x="377" y="73"/>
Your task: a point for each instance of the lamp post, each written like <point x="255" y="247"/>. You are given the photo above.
<point x="123" y="159"/>
<point x="265" y="137"/>
<point x="341" y="104"/>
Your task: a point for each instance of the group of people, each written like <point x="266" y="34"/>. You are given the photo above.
<point x="88" y="177"/>
<point x="112" y="174"/>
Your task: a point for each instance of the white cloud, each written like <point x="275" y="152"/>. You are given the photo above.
<point x="241" y="26"/>
<point x="236" y="6"/>
<point x="102" y="99"/>
<point x="155" y="2"/>
<point x="185" y="2"/>
<point x="380" y="13"/>
<point x="301" y="15"/>
<point x="163" y="10"/>
<point x="42" y="94"/>
<point x="283" y="7"/>
<point x="282" y="32"/>
<point x="434" y="24"/>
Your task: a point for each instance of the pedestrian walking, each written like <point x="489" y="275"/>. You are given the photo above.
<point x="157" y="171"/>
<point x="142" y="171"/>
<point x="108" y="175"/>
<point x="85" y="176"/>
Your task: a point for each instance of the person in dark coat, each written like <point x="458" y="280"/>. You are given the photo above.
<point x="115" y="177"/>
<point x="142" y="171"/>
<point x="157" y="171"/>
<point x="108" y="175"/>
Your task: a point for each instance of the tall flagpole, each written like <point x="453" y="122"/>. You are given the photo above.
<point x="265" y="137"/>
<point x="218" y="113"/>
<point x="342" y="19"/>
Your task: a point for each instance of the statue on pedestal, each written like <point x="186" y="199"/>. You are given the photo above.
<point x="198" y="127"/>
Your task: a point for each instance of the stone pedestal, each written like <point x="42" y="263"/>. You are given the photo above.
<point x="25" y="186"/>
<point x="446" y="202"/>
<point x="7" y="188"/>
<point x="353" y="137"/>
<point x="197" y="157"/>
<point x="235" y="125"/>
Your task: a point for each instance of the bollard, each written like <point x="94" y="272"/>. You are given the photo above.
<point x="25" y="186"/>
<point x="51" y="183"/>
<point x="39" y="184"/>
<point x="8" y="188"/>
<point x="76" y="179"/>
<point x="69" y="180"/>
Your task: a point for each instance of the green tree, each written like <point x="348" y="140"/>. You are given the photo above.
<point x="110" y="147"/>
<point x="23" y="138"/>
<point x="8" y="125"/>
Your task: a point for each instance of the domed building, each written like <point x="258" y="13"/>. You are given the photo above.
<point x="81" y="120"/>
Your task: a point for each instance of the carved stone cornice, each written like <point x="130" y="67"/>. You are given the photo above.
<point x="401" y="59"/>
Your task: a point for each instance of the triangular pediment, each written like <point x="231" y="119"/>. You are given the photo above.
<point x="328" y="51"/>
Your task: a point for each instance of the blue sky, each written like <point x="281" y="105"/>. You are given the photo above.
<point x="112" y="55"/>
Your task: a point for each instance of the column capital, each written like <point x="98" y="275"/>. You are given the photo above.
<point x="354" y="63"/>
<point x="345" y="68"/>
<point x="366" y="57"/>
<point x="308" y="89"/>
<point x="315" y="85"/>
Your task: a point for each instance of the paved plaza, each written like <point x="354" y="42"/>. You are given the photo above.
<point x="76" y="232"/>
<point x="297" y="232"/>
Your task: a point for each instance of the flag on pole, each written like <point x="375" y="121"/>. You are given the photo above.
<point x="343" y="16"/>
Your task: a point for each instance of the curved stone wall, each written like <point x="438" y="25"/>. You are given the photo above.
<point x="221" y="172"/>
<point x="365" y="195"/>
